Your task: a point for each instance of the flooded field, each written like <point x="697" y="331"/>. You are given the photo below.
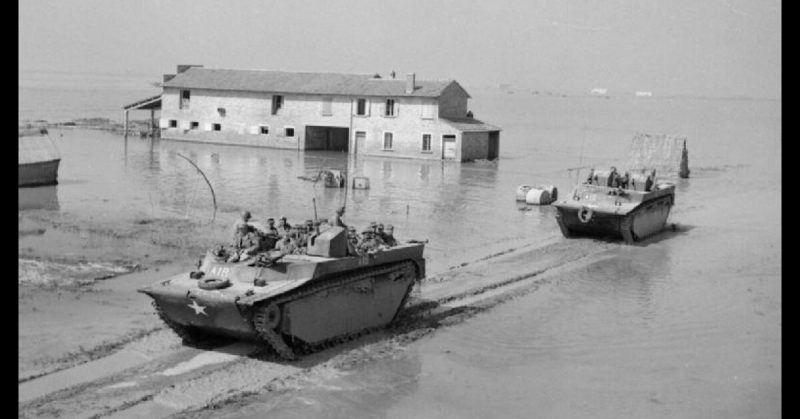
<point x="686" y="325"/>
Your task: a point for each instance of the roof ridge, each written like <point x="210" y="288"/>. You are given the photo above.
<point x="261" y="70"/>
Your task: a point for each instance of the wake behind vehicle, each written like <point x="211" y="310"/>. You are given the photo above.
<point x="633" y="206"/>
<point x="296" y="303"/>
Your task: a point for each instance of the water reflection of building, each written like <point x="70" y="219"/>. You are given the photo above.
<point x="358" y="113"/>
<point x="43" y="197"/>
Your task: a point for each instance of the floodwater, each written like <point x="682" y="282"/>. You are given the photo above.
<point x="685" y="326"/>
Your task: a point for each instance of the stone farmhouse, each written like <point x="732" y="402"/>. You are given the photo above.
<point x="355" y="113"/>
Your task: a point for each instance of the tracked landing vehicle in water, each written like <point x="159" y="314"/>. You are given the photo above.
<point x="295" y="303"/>
<point x="632" y="207"/>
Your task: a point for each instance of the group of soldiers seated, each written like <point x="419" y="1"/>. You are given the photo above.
<point x="373" y="238"/>
<point x="251" y="238"/>
<point x="612" y="178"/>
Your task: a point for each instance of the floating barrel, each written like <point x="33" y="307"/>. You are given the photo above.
<point x="522" y="192"/>
<point x="538" y="196"/>
<point x="551" y="189"/>
<point x="360" y="182"/>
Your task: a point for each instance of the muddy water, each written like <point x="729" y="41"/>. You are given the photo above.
<point x="686" y="326"/>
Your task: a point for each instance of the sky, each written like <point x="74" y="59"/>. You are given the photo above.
<point x="708" y="47"/>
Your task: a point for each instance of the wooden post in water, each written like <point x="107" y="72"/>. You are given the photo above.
<point x="126" y="124"/>
<point x="152" y="123"/>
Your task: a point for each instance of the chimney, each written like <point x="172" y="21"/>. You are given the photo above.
<point x="410" y="86"/>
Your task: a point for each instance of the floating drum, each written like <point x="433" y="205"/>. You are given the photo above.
<point x="360" y="182"/>
<point x="539" y="196"/>
<point x="522" y="192"/>
<point x="552" y="190"/>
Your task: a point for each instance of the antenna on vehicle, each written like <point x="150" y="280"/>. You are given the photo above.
<point x="580" y="159"/>
<point x="213" y="195"/>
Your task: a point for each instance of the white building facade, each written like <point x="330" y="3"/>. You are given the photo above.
<point x="360" y="114"/>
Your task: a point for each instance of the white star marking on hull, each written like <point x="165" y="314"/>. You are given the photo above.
<point x="198" y="309"/>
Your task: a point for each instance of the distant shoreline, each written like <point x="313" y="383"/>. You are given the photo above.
<point x="135" y="127"/>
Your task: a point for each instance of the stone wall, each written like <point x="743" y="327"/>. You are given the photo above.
<point x="245" y="112"/>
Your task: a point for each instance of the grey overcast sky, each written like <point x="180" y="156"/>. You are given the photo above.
<point x="705" y="47"/>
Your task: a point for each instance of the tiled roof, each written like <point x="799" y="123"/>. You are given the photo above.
<point x="470" y="124"/>
<point x="306" y="83"/>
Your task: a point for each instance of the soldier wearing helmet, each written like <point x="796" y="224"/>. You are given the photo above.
<point x="388" y="236"/>
<point x="368" y="242"/>
<point x="247" y="242"/>
<point x="380" y="234"/>
<point x="244" y="219"/>
<point x="336" y="220"/>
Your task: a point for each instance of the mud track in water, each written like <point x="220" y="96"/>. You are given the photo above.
<point x="154" y="375"/>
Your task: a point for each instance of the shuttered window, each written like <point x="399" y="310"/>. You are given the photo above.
<point x="362" y="107"/>
<point x="427" y="110"/>
<point x="277" y="103"/>
<point x="327" y="106"/>
<point x="185" y="96"/>
<point x="426" y="142"/>
<point x="388" y="137"/>
<point x="389" y="110"/>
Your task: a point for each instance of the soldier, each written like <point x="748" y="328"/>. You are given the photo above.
<point x="245" y="219"/>
<point x="301" y="237"/>
<point x="247" y="242"/>
<point x="352" y="241"/>
<point x="336" y="220"/>
<point x="590" y="180"/>
<point x="283" y="227"/>
<point x="352" y="236"/>
<point x="379" y="234"/>
<point x="286" y="245"/>
<point x="368" y="242"/>
<point x="271" y="229"/>
<point x="373" y="226"/>
<point x="388" y="236"/>
<point x="622" y="181"/>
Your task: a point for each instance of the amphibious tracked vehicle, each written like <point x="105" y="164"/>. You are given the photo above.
<point x="631" y="206"/>
<point x="295" y="303"/>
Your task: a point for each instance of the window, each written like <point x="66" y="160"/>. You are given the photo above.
<point x="426" y="142"/>
<point x="389" y="107"/>
<point x="184" y="103"/>
<point x="194" y="125"/>
<point x="263" y="129"/>
<point x="361" y="107"/>
<point x="427" y="110"/>
<point x="173" y="123"/>
<point x="216" y="127"/>
<point x="277" y="103"/>
<point x="289" y="131"/>
<point x="327" y="103"/>
<point x="387" y="140"/>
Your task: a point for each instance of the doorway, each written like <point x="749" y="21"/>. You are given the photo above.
<point x="448" y="147"/>
<point x="327" y="138"/>
<point x="360" y="142"/>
